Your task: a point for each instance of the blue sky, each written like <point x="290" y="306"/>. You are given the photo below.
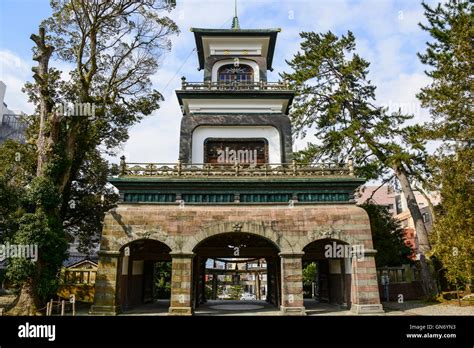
<point x="387" y="35"/>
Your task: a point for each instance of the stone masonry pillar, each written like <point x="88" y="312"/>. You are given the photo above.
<point x="105" y="298"/>
<point x="364" y="288"/>
<point x="292" y="284"/>
<point x="181" y="283"/>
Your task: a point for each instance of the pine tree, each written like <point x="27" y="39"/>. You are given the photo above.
<point x="450" y="59"/>
<point x="335" y="102"/>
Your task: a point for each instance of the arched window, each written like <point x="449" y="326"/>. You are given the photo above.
<point x="230" y="73"/>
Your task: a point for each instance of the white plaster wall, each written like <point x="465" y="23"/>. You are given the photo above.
<point x="235" y="45"/>
<point x="348" y="265"/>
<point x="269" y="133"/>
<point x="335" y="266"/>
<point x="125" y="265"/>
<point x="235" y="105"/>
<point x="235" y="48"/>
<point x="137" y="267"/>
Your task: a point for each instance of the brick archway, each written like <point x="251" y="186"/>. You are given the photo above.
<point x="328" y="232"/>
<point x="289" y="229"/>
<point x="136" y="271"/>
<point x="207" y="231"/>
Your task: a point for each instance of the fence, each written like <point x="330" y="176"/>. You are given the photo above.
<point x="60" y="306"/>
<point x="401" y="274"/>
<point x="403" y="280"/>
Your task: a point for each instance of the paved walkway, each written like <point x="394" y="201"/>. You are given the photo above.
<point x="160" y="307"/>
<point x="262" y="308"/>
<point x="241" y="308"/>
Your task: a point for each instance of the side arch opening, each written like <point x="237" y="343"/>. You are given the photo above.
<point x="327" y="275"/>
<point x="144" y="276"/>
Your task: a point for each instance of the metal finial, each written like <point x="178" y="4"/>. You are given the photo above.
<point x="235" y="20"/>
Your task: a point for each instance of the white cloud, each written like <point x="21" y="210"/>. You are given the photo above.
<point x="14" y="72"/>
<point x="387" y="35"/>
<point x="400" y="93"/>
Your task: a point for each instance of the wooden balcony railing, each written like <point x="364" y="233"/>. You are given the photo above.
<point x="232" y="170"/>
<point x="234" y="86"/>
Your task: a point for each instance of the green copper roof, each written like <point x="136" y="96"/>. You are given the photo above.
<point x="235" y="23"/>
<point x="242" y="32"/>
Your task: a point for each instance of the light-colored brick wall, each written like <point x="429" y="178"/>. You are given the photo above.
<point x="292" y="283"/>
<point x="182" y="229"/>
<point x="181" y="284"/>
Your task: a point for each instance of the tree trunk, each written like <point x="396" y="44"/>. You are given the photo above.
<point x="26" y="302"/>
<point x="42" y="56"/>
<point x="422" y="242"/>
<point x="430" y="204"/>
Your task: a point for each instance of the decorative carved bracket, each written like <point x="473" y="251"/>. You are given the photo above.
<point x="237" y="227"/>
<point x="155" y="232"/>
<point x="328" y="232"/>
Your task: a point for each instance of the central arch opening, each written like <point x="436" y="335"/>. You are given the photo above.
<point x="236" y="272"/>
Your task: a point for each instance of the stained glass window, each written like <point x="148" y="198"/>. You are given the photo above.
<point x="230" y="73"/>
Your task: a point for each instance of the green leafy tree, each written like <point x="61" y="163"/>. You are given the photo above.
<point x="449" y="57"/>
<point x="162" y="280"/>
<point x="452" y="236"/>
<point x="17" y="163"/>
<point x="309" y="276"/>
<point x="114" y="48"/>
<point x="335" y="102"/>
<point x="309" y="273"/>
<point x="388" y="237"/>
<point x="235" y="291"/>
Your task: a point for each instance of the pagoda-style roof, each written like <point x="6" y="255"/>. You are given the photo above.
<point x="268" y="36"/>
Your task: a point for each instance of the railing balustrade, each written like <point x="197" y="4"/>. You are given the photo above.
<point x="234" y="86"/>
<point x="240" y="170"/>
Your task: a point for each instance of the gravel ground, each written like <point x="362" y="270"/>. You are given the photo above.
<point x="422" y="308"/>
<point x="6" y="299"/>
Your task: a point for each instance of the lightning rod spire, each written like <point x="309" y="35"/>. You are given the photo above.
<point x="235" y="21"/>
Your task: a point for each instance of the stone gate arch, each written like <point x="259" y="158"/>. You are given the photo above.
<point x="125" y="233"/>
<point x="327" y="232"/>
<point x="282" y="243"/>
